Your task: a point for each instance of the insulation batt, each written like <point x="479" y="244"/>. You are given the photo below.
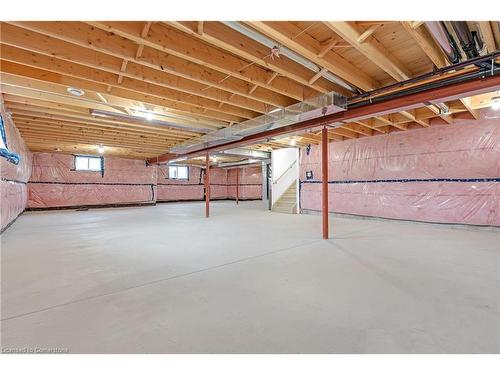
<point x="14" y="178"/>
<point x="55" y="183"/>
<point x="468" y="150"/>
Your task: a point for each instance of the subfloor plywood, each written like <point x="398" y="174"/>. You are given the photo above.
<point x="165" y="279"/>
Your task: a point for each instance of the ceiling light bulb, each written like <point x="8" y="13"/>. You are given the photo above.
<point x="293" y="142"/>
<point x="101" y="149"/>
<point x="495" y="103"/>
<point x="148" y="116"/>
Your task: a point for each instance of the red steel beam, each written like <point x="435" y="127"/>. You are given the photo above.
<point x="162" y="158"/>
<point x="412" y="100"/>
<point x="324" y="182"/>
<point x="207" y="185"/>
<point x="237" y="185"/>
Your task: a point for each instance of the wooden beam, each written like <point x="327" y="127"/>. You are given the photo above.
<point x="100" y="50"/>
<point x="487" y="34"/>
<point x="426" y="43"/>
<point x="145" y="29"/>
<point x="411" y="116"/>
<point x="47" y="129"/>
<point x="229" y="40"/>
<point x="386" y="120"/>
<point x="417" y="24"/>
<point x="369" y="124"/>
<point x="330" y="61"/>
<point x="446" y="117"/>
<point x="26" y="116"/>
<point x="467" y="104"/>
<point x="146" y="86"/>
<point x="176" y="42"/>
<point x="368" y="33"/>
<point x="373" y="50"/>
<point x="80" y="110"/>
<point x="15" y="75"/>
<point x="318" y="75"/>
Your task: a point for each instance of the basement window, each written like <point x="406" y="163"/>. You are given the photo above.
<point x="176" y="172"/>
<point x="88" y="163"/>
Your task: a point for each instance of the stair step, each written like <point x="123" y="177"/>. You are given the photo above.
<point x="287" y="203"/>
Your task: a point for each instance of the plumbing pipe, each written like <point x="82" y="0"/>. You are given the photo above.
<point x="436" y="72"/>
<point x="467" y="39"/>
<point x="442" y="36"/>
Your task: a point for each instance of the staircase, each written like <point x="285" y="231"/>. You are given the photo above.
<point x="287" y="203"/>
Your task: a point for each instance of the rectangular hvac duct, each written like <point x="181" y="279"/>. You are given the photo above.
<point x="322" y="105"/>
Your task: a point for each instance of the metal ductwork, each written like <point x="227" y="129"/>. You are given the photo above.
<point x="256" y="36"/>
<point x="252" y="154"/>
<point x="238" y="164"/>
<point x="444" y="39"/>
<point x="319" y="106"/>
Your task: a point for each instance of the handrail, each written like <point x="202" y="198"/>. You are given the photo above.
<point x="284" y="172"/>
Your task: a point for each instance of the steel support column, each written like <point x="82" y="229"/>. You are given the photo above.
<point x="324" y="183"/>
<point x="237" y="186"/>
<point x="207" y="185"/>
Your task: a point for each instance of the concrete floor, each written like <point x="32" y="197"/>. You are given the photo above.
<point x="166" y="280"/>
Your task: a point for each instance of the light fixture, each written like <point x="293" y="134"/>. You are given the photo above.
<point x="145" y="114"/>
<point x="293" y="142"/>
<point x="214" y="159"/>
<point x="100" y="149"/>
<point x="495" y="103"/>
<point x="75" y="92"/>
<point x="148" y="116"/>
<point x="275" y="110"/>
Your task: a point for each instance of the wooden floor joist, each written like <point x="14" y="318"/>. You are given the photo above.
<point x="201" y="76"/>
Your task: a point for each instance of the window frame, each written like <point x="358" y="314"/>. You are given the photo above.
<point x="101" y="163"/>
<point x="178" y="178"/>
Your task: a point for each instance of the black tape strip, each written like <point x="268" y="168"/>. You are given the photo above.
<point x="405" y="180"/>
<point x="162" y="184"/>
<point x="88" y="183"/>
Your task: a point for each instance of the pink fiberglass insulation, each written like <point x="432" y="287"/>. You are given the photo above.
<point x="218" y="183"/>
<point x="55" y="182"/>
<point x="443" y="174"/>
<point x="222" y="184"/>
<point x="14" y="190"/>
<point x="250" y="182"/>
<point x="194" y="187"/>
<point x="175" y="190"/>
